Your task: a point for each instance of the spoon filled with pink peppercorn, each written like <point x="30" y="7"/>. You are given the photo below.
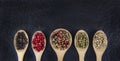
<point x="21" y="42"/>
<point x="60" y="40"/>
<point x="38" y="44"/>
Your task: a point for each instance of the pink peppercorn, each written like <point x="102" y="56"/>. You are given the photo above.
<point x="38" y="41"/>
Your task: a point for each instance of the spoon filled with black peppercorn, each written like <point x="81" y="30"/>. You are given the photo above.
<point x="21" y="42"/>
<point x="60" y="40"/>
<point x="81" y="43"/>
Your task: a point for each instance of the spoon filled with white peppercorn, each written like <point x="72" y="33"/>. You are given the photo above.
<point x="21" y="42"/>
<point x="81" y="43"/>
<point x="99" y="44"/>
<point x="60" y="40"/>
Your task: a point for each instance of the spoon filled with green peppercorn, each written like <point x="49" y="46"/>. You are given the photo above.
<point x="21" y="42"/>
<point x="99" y="44"/>
<point x="81" y="43"/>
<point x="60" y="40"/>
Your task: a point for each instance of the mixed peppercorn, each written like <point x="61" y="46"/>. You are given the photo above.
<point x="21" y="40"/>
<point x="38" y="41"/>
<point x="81" y="40"/>
<point x="61" y="39"/>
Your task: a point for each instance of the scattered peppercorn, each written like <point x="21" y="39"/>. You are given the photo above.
<point x="60" y="39"/>
<point x="21" y="40"/>
<point x="38" y="41"/>
<point x="81" y="40"/>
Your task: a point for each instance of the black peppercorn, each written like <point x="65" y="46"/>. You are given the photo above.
<point x="21" y="40"/>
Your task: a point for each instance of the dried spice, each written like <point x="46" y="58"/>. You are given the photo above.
<point x="81" y="40"/>
<point x="60" y="39"/>
<point x="38" y="41"/>
<point x="99" y="40"/>
<point x="21" y="40"/>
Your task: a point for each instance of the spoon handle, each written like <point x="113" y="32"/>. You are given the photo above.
<point x="37" y="59"/>
<point x="20" y="58"/>
<point x="99" y="58"/>
<point x="38" y="56"/>
<point x="60" y="57"/>
<point x="81" y="57"/>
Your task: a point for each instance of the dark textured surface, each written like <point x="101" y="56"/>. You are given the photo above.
<point x="47" y="15"/>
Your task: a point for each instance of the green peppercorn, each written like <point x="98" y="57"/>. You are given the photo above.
<point x="81" y="40"/>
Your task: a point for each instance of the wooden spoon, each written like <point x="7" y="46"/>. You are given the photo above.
<point x="38" y="54"/>
<point x="57" y="47"/>
<point x="21" y="52"/>
<point x="99" y="44"/>
<point x="81" y="43"/>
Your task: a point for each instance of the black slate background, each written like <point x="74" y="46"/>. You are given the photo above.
<point x="47" y="15"/>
